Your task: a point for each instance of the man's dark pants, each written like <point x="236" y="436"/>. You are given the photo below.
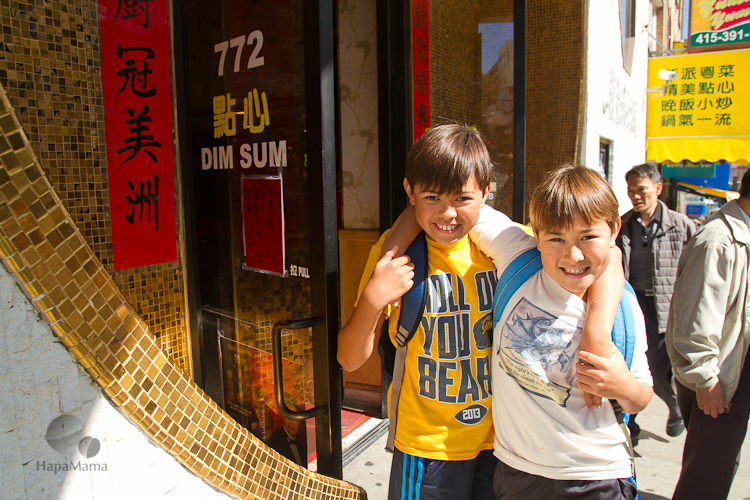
<point x="658" y="359"/>
<point x="712" y="445"/>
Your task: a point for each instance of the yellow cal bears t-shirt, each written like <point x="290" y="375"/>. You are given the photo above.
<point x="446" y="400"/>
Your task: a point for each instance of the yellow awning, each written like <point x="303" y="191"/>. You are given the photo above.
<point x="707" y="191"/>
<point x="708" y="150"/>
<point x="703" y="115"/>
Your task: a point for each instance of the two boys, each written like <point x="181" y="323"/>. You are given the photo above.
<point x="448" y="361"/>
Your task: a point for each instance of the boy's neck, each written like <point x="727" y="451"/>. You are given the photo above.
<point x="446" y="245"/>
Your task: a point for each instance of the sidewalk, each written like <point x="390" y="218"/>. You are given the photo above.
<point x="658" y="459"/>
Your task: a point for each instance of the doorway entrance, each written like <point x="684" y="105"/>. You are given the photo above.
<point x="257" y="130"/>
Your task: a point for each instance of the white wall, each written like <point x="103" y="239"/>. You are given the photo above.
<point x="615" y="100"/>
<point x="39" y="380"/>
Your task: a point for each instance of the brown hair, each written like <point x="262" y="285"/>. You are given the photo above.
<point x="446" y="157"/>
<point x="570" y="191"/>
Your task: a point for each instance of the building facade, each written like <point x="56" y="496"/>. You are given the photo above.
<point x="282" y="144"/>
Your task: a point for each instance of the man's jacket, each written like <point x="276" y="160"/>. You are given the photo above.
<point x="709" y="322"/>
<point x="666" y="247"/>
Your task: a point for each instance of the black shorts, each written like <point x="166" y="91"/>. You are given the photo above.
<point x="512" y="484"/>
<point x="417" y="478"/>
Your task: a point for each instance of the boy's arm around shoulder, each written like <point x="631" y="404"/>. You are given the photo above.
<point x="602" y="301"/>
<point x="391" y="278"/>
<point x="498" y="237"/>
<point x="404" y="230"/>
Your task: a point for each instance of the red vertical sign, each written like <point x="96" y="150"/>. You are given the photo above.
<point x="263" y="224"/>
<point x="420" y="39"/>
<point x="137" y="95"/>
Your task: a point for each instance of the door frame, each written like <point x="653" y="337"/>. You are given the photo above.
<point x="320" y="107"/>
<point x="322" y="147"/>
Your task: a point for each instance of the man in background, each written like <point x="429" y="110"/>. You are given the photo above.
<point x="651" y="239"/>
<point x="707" y="337"/>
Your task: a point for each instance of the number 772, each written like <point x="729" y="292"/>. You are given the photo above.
<point x="254" y="38"/>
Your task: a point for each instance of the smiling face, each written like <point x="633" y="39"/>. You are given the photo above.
<point x="643" y="193"/>
<point x="577" y="256"/>
<point x="446" y="218"/>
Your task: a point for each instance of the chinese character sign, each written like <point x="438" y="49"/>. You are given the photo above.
<point x="703" y="115"/>
<point x="137" y="95"/>
<point x="420" y="40"/>
<point x="719" y="22"/>
<point x="263" y="224"/>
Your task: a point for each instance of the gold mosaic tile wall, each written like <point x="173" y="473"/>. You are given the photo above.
<point x="454" y="49"/>
<point x="46" y="252"/>
<point x="555" y="63"/>
<point x="50" y="64"/>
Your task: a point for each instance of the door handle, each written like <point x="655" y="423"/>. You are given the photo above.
<point x="278" y="376"/>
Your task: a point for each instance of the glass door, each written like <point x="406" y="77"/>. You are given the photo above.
<point x="260" y="208"/>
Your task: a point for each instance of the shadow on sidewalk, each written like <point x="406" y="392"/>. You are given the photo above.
<point x="644" y="495"/>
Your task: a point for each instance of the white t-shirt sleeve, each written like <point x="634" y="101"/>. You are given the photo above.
<point x="499" y="238"/>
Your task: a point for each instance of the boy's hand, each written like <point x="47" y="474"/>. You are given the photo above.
<point x="603" y="377"/>
<point x="391" y="278"/>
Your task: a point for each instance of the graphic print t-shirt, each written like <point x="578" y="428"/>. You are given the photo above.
<point x="445" y="401"/>
<point x="542" y="425"/>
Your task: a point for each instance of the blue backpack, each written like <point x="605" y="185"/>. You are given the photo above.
<point x="392" y="358"/>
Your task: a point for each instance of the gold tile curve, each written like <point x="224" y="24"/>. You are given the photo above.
<point x="64" y="280"/>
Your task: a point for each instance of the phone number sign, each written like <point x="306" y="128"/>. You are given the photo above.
<point x="719" y="22"/>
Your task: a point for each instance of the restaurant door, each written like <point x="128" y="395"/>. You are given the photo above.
<point x="257" y="138"/>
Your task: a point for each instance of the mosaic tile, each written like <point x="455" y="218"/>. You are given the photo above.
<point x="53" y="86"/>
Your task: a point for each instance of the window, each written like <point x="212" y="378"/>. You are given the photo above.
<point x="627" y="27"/>
<point x="604" y="156"/>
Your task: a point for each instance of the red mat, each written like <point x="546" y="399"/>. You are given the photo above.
<point x="350" y="420"/>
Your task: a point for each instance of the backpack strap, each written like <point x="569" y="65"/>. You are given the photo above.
<point x="398" y="375"/>
<point x="623" y="331"/>
<point x="521" y="269"/>
<point x="412" y="307"/>
<point x="413" y="302"/>
<point x="623" y="336"/>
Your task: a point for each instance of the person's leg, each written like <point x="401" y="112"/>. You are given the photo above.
<point x="484" y="472"/>
<point x="416" y="477"/>
<point x="605" y="489"/>
<point x="659" y="364"/>
<point x="512" y="484"/>
<point x="663" y="387"/>
<point x="635" y="429"/>
<point x="712" y="445"/>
